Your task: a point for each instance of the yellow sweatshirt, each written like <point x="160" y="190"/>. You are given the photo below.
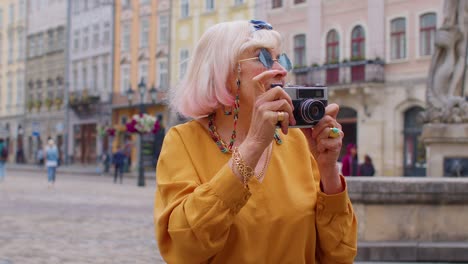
<point x="203" y="213"/>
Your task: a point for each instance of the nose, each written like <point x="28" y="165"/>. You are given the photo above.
<point x="278" y="66"/>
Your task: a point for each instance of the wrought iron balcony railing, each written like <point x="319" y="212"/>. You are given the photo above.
<point x="342" y="73"/>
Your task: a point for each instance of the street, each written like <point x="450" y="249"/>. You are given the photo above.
<point x="83" y="219"/>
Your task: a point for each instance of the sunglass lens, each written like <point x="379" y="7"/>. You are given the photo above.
<point x="285" y="62"/>
<point x="265" y="58"/>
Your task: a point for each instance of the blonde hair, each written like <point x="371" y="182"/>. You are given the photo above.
<point x="205" y="86"/>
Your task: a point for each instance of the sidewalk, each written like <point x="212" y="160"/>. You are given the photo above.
<point x="77" y="169"/>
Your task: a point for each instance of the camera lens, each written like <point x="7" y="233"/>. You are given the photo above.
<point x="312" y="110"/>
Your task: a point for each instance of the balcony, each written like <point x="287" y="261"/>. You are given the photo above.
<point x="354" y="72"/>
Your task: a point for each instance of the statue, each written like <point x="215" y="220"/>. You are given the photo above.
<point x="445" y="96"/>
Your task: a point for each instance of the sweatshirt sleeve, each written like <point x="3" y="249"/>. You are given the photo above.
<point x="336" y="225"/>
<point x="192" y="219"/>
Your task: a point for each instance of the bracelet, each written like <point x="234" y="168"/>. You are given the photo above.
<point x="245" y="170"/>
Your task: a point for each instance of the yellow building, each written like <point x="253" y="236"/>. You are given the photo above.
<point x="136" y="57"/>
<point x="190" y="19"/>
<point x="12" y="73"/>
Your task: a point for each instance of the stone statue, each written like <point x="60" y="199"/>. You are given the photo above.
<point x="446" y="102"/>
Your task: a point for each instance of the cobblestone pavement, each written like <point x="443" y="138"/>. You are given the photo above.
<point x="83" y="219"/>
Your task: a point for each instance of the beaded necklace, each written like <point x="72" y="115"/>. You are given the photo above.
<point x="220" y="142"/>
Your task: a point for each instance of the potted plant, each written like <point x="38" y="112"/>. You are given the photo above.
<point x="142" y="124"/>
<point x="58" y="102"/>
<point x="49" y="103"/>
<point x="38" y="104"/>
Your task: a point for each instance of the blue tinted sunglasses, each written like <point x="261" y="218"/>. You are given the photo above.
<point x="267" y="60"/>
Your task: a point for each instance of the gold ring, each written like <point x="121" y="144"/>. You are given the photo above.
<point x="280" y="116"/>
<point x="334" y="132"/>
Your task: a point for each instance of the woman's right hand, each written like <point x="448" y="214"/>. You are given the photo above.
<point x="265" y="115"/>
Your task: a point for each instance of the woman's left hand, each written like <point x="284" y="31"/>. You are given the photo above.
<point x="326" y="149"/>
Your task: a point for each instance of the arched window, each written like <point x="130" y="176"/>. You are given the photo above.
<point x="427" y="28"/>
<point x="358" y="47"/>
<point x="398" y="38"/>
<point x="333" y="44"/>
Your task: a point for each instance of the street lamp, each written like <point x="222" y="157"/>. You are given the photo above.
<point x="154" y="94"/>
<point x="142" y="91"/>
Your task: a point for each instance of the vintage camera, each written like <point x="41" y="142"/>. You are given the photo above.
<point x="309" y="104"/>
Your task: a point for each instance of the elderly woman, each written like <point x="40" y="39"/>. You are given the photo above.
<point x="231" y="187"/>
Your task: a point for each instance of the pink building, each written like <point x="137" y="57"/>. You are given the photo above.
<point x="374" y="56"/>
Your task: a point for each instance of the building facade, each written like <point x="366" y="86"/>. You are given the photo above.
<point x="45" y="74"/>
<point x="374" y="56"/>
<point x="12" y="75"/>
<point x="90" y="69"/>
<point x="140" y="57"/>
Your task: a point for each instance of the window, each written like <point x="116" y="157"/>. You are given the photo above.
<point x="60" y="38"/>
<point x="145" y="2"/>
<point x="19" y="88"/>
<point x="144" y="32"/>
<point x="333" y="44"/>
<point x="39" y="45"/>
<point x="32" y="46"/>
<point x="163" y="29"/>
<point x="276" y="3"/>
<point x="75" y="77"/>
<point x="299" y="1"/>
<point x="85" y="38"/>
<point x="95" y="75"/>
<point x="209" y="5"/>
<point x="76" y="40"/>
<point x="125" y="3"/>
<point x="238" y="2"/>
<point x="76" y="7"/>
<point x="163" y="77"/>
<point x="183" y="62"/>
<point x="106" y="37"/>
<point x="105" y="75"/>
<point x="143" y="72"/>
<point x="85" y="77"/>
<point x="398" y="38"/>
<point x="85" y="5"/>
<point x="11" y="14"/>
<point x="125" y="45"/>
<point x="300" y="50"/>
<point x="50" y="41"/>
<point x="125" y="80"/>
<point x="21" y="42"/>
<point x="333" y="56"/>
<point x="427" y="28"/>
<point x="184" y="8"/>
<point x="358" y="43"/>
<point x="9" y="96"/>
<point x="11" y="40"/>
<point x="95" y="35"/>
<point x="21" y="9"/>
<point x="1" y="18"/>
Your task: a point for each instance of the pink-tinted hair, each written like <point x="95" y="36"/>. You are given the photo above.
<point x="205" y="85"/>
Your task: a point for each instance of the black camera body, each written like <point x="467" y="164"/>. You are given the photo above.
<point x="309" y="104"/>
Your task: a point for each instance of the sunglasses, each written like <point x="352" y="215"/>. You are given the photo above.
<point x="267" y="60"/>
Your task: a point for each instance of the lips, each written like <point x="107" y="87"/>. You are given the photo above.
<point x="273" y="85"/>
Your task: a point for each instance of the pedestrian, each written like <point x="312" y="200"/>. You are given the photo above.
<point x="127" y="150"/>
<point x="51" y="161"/>
<point x="231" y="186"/>
<point x="366" y="168"/>
<point x="119" y="162"/>
<point x="40" y="157"/>
<point x="3" y="158"/>
<point x="105" y="159"/>
<point x="350" y="161"/>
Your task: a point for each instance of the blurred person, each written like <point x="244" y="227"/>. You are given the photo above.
<point x="366" y="168"/>
<point x="119" y="162"/>
<point x="232" y="188"/>
<point x="350" y="164"/>
<point x="3" y="158"/>
<point x="51" y="161"/>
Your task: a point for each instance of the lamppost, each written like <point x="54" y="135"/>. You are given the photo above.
<point x="142" y="91"/>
